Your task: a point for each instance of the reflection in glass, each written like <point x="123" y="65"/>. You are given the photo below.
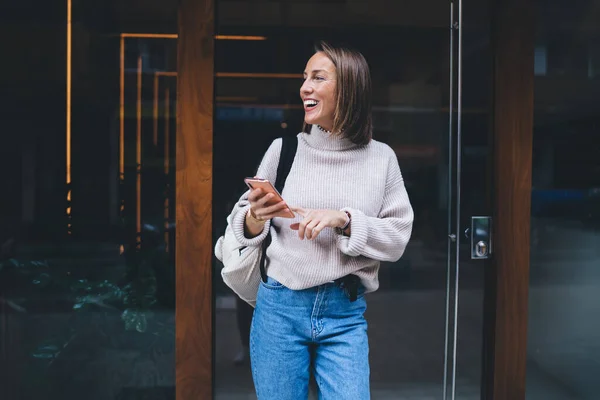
<point x="87" y="261"/>
<point x="564" y="294"/>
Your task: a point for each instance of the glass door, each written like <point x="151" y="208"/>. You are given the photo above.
<point x="469" y="223"/>
<point x="430" y="64"/>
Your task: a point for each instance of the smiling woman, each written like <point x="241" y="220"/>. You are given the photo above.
<point x="318" y="92"/>
<point x="337" y="93"/>
<point x="405" y="97"/>
<point x="353" y="212"/>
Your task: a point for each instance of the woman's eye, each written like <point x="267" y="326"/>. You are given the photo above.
<point x="319" y="78"/>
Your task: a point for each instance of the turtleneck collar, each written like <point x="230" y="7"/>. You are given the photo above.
<point x="326" y="141"/>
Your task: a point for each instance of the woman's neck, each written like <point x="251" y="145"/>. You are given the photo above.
<point x="324" y="140"/>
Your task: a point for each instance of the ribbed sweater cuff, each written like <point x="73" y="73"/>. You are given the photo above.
<point x="238" y="229"/>
<point x="354" y="244"/>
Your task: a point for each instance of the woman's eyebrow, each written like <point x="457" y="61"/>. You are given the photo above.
<point x="315" y="71"/>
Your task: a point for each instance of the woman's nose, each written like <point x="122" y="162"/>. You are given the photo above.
<point x="306" y="88"/>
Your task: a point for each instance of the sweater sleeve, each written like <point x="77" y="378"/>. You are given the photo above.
<point x="382" y="238"/>
<point x="266" y="170"/>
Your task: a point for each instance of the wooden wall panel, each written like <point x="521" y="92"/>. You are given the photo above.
<point x="513" y="46"/>
<point x="194" y="200"/>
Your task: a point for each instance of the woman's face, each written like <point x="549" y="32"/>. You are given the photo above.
<point x="318" y="91"/>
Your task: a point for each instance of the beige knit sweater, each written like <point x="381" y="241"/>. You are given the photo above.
<point x="330" y="172"/>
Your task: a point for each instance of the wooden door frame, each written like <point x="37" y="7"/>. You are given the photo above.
<point x="507" y="283"/>
<point x="193" y="196"/>
<point x="504" y="361"/>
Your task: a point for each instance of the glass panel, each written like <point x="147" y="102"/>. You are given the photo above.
<point x="564" y="294"/>
<point x="87" y="236"/>
<point x="474" y="121"/>
<point x="407" y="45"/>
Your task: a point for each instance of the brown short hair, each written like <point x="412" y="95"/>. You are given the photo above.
<point x="353" y="93"/>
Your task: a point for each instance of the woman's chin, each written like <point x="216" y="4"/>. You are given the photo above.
<point x="311" y="121"/>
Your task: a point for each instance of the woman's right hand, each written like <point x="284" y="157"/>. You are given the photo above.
<point x="260" y="212"/>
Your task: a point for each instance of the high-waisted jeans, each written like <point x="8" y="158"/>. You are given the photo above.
<point x="319" y="329"/>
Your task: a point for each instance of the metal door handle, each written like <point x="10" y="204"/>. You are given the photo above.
<point x="480" y="234"/>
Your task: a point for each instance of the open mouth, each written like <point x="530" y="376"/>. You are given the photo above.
<point x="310" y="104"/>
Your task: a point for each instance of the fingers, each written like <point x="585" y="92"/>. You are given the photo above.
<point x="299" y="210"/>
<point x="313" y="223"/>
<point x="307" y="225"/>
<point x="302" y="228"/>
<point x="316" y="230"/>
<point x="285" y="213"/>
<point x="259" y="203"/>
<point x="312" y="229"/>
<point x="272" y="211"/>
<point x="255" y="195"/>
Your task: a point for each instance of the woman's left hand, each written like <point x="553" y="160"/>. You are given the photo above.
<point x="316" y="220"/>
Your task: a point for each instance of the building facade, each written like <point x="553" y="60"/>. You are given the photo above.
<point x="129" y="127"/>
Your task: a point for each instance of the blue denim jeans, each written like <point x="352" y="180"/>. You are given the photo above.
<point x="319" y="329"/>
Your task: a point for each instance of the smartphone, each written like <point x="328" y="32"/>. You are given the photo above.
<point x="267" y="187"/>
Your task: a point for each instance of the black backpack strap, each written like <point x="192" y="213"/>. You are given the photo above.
<point x="286" y="159"/>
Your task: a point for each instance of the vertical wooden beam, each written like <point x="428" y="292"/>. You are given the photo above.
<point x="513" y="46"/>
<point x="194" y="147"/>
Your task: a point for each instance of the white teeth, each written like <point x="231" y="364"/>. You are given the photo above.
<point x="310" y="103"/>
